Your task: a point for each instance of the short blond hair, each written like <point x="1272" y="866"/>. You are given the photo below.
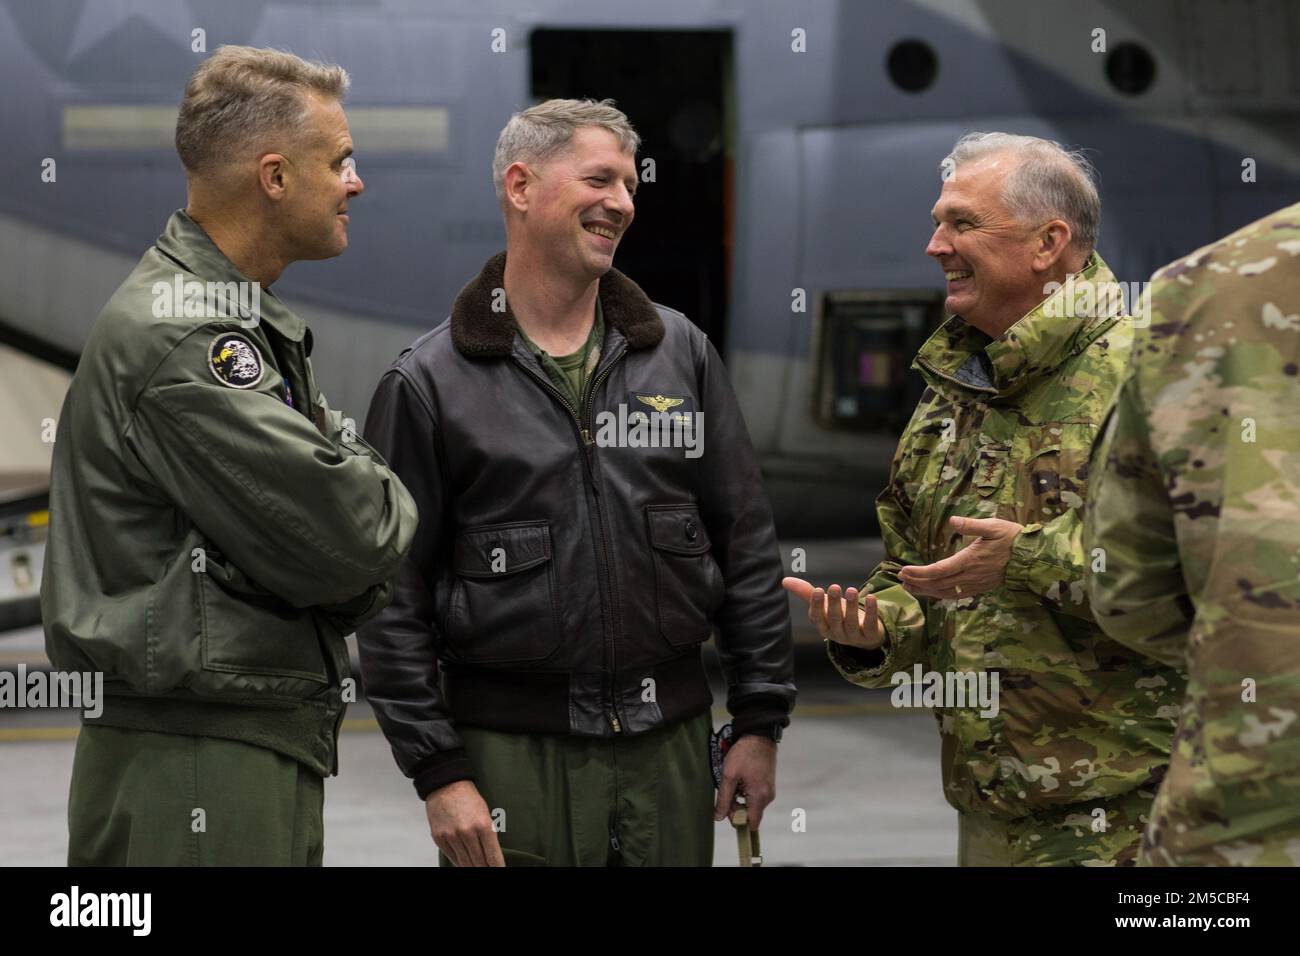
<point x="240" y="95"/>
<point x="539" y="132"/>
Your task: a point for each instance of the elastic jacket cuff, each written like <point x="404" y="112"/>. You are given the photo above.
<point x="856" y="658"/>
<point x="442" y="768"/>
<point x="1019" y="573"/>
<point x="758" y="715"/>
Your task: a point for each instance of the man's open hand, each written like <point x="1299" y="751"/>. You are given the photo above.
<point x="835" y="616"/>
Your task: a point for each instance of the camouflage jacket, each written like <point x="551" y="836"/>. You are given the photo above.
<point x="1196" y="505"/>
<point x="1003" y="430"/>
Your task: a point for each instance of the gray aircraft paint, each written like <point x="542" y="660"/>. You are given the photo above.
<point x="836" y="168"/>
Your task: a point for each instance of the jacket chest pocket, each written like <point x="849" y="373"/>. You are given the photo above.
<point x="1051" y="473"/>
<point x="688" y="583"/>
<point x="503" y="607"/>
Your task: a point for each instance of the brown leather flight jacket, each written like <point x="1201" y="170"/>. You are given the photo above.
<point x="561" y="582"/>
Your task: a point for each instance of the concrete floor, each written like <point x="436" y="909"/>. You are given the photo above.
<point x="865" y="775"/>
<point x="868" y="783"/>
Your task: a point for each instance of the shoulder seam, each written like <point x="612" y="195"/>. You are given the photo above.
<point x="401" y="372"/>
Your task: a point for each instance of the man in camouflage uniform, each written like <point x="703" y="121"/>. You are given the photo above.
<point x="1066" y="767"/>
<point x="1195" y="507"/>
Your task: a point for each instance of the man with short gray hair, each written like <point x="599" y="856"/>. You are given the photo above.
<point x="215" y="528"/>
<point x="1054" y="736"/>
<point x="591" y="509"/>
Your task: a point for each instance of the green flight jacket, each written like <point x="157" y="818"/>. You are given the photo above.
<point x="215" y="528"/>
<point x="1196" y="504"/>
<point x="1003" y="430"/>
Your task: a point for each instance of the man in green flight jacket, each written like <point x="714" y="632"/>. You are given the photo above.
<point x="215" y="528"/>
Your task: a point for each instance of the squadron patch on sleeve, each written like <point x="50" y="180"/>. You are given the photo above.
<point x="234" y="360"/>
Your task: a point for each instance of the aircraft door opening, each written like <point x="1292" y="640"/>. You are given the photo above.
<point x="674" y="87"/>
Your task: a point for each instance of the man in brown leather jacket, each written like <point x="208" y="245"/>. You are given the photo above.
<point x="590" y="511"/>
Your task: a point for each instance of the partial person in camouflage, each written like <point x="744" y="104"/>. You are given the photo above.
<point x="1196" y="511"/>
<point x="1064" y="769"/>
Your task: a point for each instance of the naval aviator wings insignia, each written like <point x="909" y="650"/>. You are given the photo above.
<point x="659" y="403"/>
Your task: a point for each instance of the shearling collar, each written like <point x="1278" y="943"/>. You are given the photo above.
<point x="479" y="332"/>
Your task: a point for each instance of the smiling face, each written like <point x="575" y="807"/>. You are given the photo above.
<point x="578" y="204"/>
<point x="992" y="262"/>
<point x="316" y="204"/>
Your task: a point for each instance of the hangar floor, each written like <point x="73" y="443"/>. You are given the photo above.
<point x="865" y="774"/>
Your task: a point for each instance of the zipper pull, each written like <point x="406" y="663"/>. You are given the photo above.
<point x="613" y="722"/>
<point x="613" y="841"/>
<point x="586" y="437"/>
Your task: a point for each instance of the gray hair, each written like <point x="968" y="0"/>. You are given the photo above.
<point x="1049" y="182"/>
<point x="542" y="131"/>
<point x="240" y="95"/>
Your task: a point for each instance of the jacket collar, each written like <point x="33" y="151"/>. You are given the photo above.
<point x="1066" y="322"/>
<point x="185" y="242"/>
<point x="479" y="331"/>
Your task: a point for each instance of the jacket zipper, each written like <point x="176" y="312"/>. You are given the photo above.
<point x="956" y="381"/>
<point x="615" y="622"/>
<point x="339" y="663"/>
<point x="589" y="457"/>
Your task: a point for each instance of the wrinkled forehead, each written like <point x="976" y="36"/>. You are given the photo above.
<point x="976" y="185"/>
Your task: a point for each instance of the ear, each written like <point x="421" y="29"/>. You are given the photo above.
<point x="272" y="171"/>
<point x="1054" y="238"/>
<point x="517" y="180"/>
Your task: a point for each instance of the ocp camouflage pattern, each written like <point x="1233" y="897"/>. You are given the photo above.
<point x="1003" y="430"/>
<point x="1196" y="504"/>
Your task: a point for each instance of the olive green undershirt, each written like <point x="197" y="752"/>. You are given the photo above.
<point x="571" y="374"/>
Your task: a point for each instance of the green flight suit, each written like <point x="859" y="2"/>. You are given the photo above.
<point x="190" y="801"/>
<point x="557" y="800"/>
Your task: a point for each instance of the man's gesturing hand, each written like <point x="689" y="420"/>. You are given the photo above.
<point x="831" y="614"/>
<point x="975" y="569"/>
<point x="461" y="825"/>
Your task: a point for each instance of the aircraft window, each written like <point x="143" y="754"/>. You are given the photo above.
<point x="864" y="346"/>
<point x="1130" y="68"/>
<point x="912" y="65"/>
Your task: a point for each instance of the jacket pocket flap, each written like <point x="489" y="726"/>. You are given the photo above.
<point x="495" y="550"/>
<point x="677" y="529"/>
<point x="1041" y="450"/>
